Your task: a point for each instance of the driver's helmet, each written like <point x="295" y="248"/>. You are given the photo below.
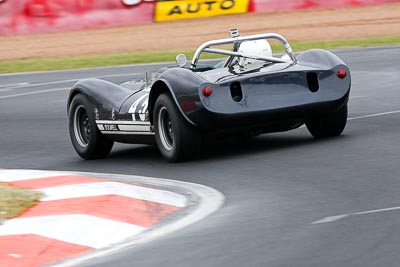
<point x="256" y="48"/>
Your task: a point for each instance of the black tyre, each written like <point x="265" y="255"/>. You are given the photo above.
<point x="176" y="139"/>
<point x="328" y="125"/>
<point x="87" y="140"/>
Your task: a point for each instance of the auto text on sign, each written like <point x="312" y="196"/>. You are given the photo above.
<point x="187" y="9"/>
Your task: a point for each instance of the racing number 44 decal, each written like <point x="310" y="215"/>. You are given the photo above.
<point x="139" y="108"/>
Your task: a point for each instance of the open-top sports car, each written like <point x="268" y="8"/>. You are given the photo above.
<point x="251" y="92"/>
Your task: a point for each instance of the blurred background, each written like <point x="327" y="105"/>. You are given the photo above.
<point x="60" y="34"/>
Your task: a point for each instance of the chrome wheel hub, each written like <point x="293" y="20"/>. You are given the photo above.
<point x="81" y="126"/>
<point x="166" y="132"/>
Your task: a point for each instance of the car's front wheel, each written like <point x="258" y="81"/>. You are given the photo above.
<point x="176" y="139"/>
<point x="87" y="140"/>
<point x="328" y="125"/>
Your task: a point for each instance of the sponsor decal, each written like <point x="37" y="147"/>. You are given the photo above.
<point x="110" y="127"/>
<point x="186" y="9"/>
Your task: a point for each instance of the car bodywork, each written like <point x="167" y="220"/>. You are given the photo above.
<point x="278" y="95"/>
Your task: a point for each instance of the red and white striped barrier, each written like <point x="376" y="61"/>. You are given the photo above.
<point x="77" y="214"/>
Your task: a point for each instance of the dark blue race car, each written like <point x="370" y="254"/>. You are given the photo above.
<point x="249" y="93"/>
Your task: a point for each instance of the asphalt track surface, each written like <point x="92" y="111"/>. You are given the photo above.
<point x="278" y="187"/>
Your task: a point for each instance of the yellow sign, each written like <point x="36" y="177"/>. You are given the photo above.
<point x="187" y="9"/>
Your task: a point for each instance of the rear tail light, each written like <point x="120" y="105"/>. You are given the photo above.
<point x="207" y="91"/>
<point x="341" y="73"/>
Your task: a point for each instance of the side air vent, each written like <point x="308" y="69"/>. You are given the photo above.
<point x="312" y="81"/>
<point x="236" y="92"/>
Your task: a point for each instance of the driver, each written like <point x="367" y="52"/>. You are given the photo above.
<point x="254" y="48"/>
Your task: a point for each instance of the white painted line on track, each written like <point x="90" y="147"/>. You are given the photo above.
<point x="155" y="64"/>
<point x="330" y="219"/>
<point x="368" y="116"/>
<point x="119" y="75"/>
<point x="81" y="229"/>
<point x="113" y="188"/>
<point x="35" y="92"/>
<point x="44" y="83"/>
<point x="374" y="115"/>
<point x="27" y="85"/>
<point x="209" y="201"/>
<point x="342" y="216"/>
<point x="358" y="96"/>
<point x="13" y="84"/>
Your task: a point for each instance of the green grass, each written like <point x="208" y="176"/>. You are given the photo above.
<point x="14" y="200"/>
<point x="163" y="56"/>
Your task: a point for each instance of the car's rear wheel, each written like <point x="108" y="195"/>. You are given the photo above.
<point x="176" y="139"/>
<point x="328" y="125"/>
<point x="87" y="140"/>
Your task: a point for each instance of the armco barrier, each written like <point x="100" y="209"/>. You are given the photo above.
<point x="38" y="16"/>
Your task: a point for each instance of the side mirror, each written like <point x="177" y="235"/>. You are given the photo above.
<point x="181" y="60"/>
